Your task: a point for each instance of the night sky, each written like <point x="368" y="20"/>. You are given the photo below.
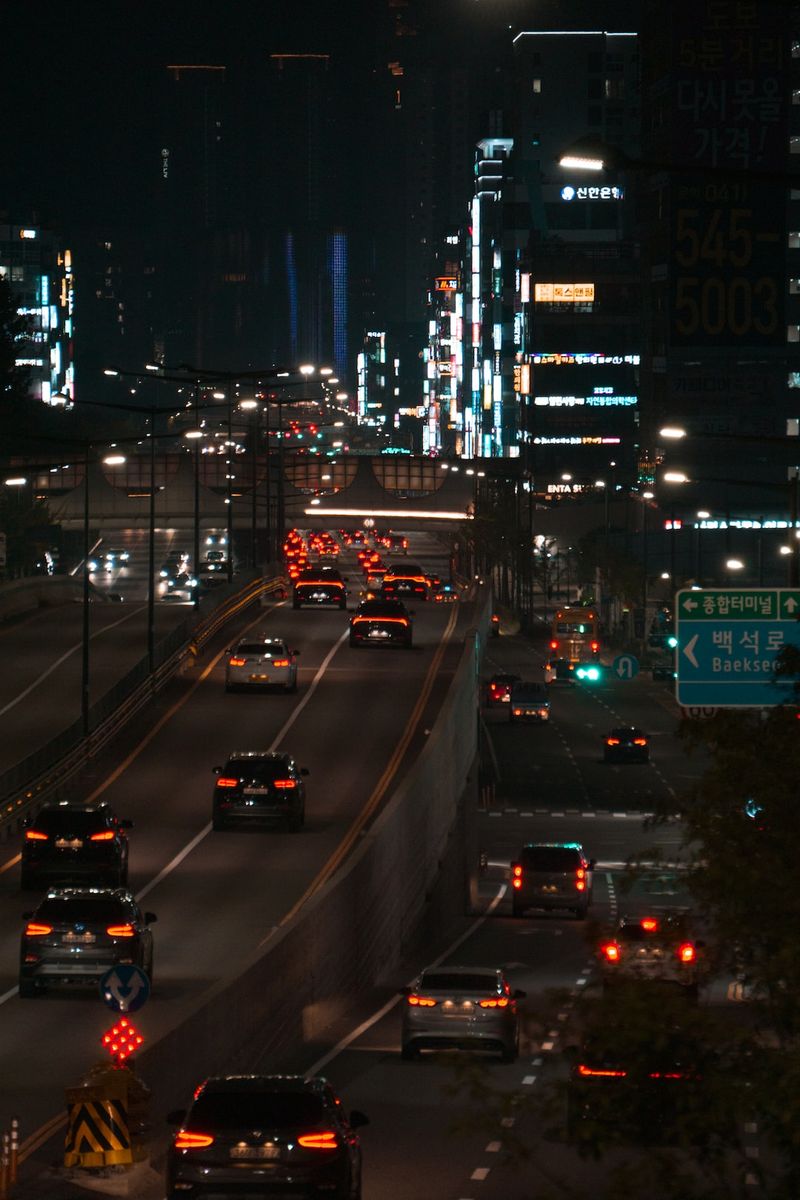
<point x="77" y="79"/>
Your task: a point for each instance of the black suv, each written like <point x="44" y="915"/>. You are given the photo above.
<point x="75" y="843"/>
<point x="75" y="935"/>
<point x="286" y="1134"/>
<point x="381" y="623"/>
<point x="551" y="875"/>
<point x="256" y="786"/>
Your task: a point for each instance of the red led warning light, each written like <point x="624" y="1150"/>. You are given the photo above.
<point x="122" y="1040"/>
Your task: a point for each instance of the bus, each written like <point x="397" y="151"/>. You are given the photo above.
<point x="574" y="634"/>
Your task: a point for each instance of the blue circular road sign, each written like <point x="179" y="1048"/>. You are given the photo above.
<point x="125" y="988"/>
<point x="625" y="666"/>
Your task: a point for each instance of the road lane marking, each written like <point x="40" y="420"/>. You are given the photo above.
<point x="12" y="862"/>
<point x="354" y="832"/>
<point x="54" y="666"/>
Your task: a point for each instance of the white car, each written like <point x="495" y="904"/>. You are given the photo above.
<point x="261" y="662"/>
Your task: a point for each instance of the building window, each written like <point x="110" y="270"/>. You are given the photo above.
<point x="615" y="89"/>
<point x="794" y="241"/>
<point x="794" y="287"/>
<point x="793" y="333"/>
<point x="793" y="379"/>
<point x="537" y="86"/>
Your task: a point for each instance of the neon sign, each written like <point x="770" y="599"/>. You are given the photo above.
<point x="568" y="192"/>
<point x="585" y="360"/>
<point x="563" y="293"/>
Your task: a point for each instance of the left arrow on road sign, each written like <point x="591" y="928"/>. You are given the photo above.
<point x="688" y="649"/>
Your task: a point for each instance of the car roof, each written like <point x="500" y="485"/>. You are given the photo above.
<point x="504" y="678"/>
<point x="381" y="606"/>
<point x="462" y="970"/>
<point x="261" y="755"/>
<point x="54" y="806"/>
<point x="627" y="729"/>
<point x="88" y="893"/>
<point x="553" y="846"/>
<point x="260" y="1083"/>
<point x="262" y="639"/>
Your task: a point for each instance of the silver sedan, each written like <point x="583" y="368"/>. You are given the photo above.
<point x="464" y="1007"/>
<point x="260" y="662"/>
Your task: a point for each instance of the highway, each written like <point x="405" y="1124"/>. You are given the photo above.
<point x="219" y="896"/>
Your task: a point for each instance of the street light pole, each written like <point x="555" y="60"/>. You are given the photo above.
<point x="151" y="550"/>
<point x="85" y="630"/>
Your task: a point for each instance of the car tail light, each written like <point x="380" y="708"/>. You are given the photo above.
<point x="612" y="741"/>
<point x="421" y="1001"/>
<point x="595" y="647"/>
<point x="554" y="645"/>
<point x="640" y="741"/>
<point x="33" y="835"/>
<point x="587" y="1072"/>
<point x="517" y="712"/>
<point x="580" y="873"/>
<point x="192" y="1141"/>
<point x="649" y="924"/>
<point x="284" y="783"/>
<point x="686" y="952"/>
<point x="319" y="1141"/>
<point x="516" y="875"/>
<point x="580" y="885"/>
<point x="498" y="1002"/>
<point x="105" y="835"/>
<point x="236" y="662"/>
<point x="34" y="929"/>
<point x="120" y="931"/>
<point x="280" y="662"/>
<point x="611" y="951"/>
<point x="224" y="782"/>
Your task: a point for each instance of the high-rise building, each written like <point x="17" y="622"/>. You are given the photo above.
<point x="722" y="248"/>
<point x="39" y="270"/>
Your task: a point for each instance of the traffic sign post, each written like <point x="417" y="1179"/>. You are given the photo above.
<point x="729" y="640"/>
<point x="125" y="988"/>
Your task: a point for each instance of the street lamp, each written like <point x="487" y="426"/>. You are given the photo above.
<point x="592" y="154"/>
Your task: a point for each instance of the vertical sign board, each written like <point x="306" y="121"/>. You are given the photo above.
<point x="728" y="642"/>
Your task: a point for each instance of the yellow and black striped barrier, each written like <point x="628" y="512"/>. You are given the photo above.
<point x="97" y="1125"/>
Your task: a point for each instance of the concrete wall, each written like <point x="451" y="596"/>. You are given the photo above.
<point x="20" y="596"/>
<point x="353" y="933"/>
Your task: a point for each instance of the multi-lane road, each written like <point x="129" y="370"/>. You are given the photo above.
<point x="219" y="895"/>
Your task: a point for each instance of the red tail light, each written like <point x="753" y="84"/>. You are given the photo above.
<point x="280" y="662"/>
<point x="554" y="645"/>
<point x="500" y="1002"/>
<point x="649" y="924"/>
<point x="421" y="1001"/>
<point x="595" y="647"/>
<point x="284" y="783"/>
<point x="611" y="951"/>
<point x="586" y="1072"/>
<point x="686" y="952"/>
<point x="224" y="782"/>
<point x="33" y="929"/>
<point x="516" y="875"/>
<point x="318" y="1141"/>
<point x="580" y="885"/>
<point x="33" y="835"/>
<point x="192" y="1141"/>
<point x="105" y="835"/>
<point x="640" y="741"/>
<point x="236" y="662"/>
<point x="612" y="741"/>
<point x="580" y="873"/>
<point x="120" y="931"/>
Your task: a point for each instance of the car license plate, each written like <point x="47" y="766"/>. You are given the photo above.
<point x="549" y="888"/>
<point x="69" y="843"/>
<point x="255" y="1152"/>
<point x="318" y="596"/>
<point x="378" y="633"/>
<point x="256" y="791"/>
<point x="259" y="678"/>
<point x="77" y="939"/>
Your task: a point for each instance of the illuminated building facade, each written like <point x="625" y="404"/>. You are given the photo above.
<point x="39" y="271"/>
<point x="544" y="306"/>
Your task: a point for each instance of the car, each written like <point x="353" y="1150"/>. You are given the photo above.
<point x="409" y="580"/>
<point x="74" y="843"/>
<point x="182" y="582"/>
<point x="626" y="743"/>
<point x="463" y="1007"/>
<point x="397" y="544"/>
<point x="620" y="1090"/>
<point x="559" y="669"/>
<point x="258" y="786"/>
<point x="262" y="1135"/>
<point x="319" y="585"/>
<point x="260" y="662"/>
<point x="373" y="585"/>
<point x="446" y="594"/>
<point x="381" y="623"/>
<point x="173" y="565"/>
<point x="116" y="557"/>
<point x="529" y="702"/>
<point x="552" y="875"/>
<point x="659" y="947"/>
<point x="498" y="690"/>
<point x="75" y="935"/>
<point x="663" y="669"/>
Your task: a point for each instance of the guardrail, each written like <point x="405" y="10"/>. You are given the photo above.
<point x="45" y="774"/>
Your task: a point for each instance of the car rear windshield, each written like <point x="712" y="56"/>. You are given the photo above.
<point x="255" y="1110"/>
<point x="446" y="981"/>
<point x="261" y="649"/>
<point x="99" y="910"/>
<point x="530" y="691"/>
<point x="67" y="821"/>
<point x="551" y="858"/>
<point x="265" y="771"/>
